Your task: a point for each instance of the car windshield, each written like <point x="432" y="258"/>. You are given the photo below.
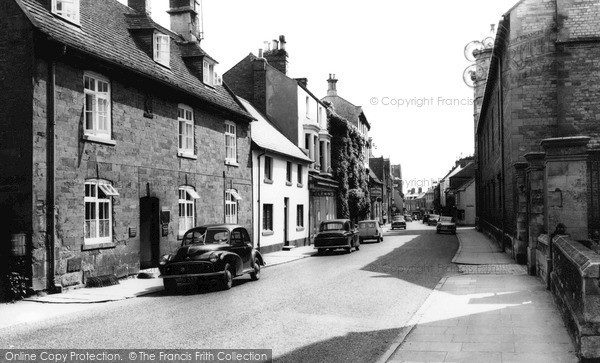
<point x="194" y="237"/>
<point x="332" y="226"/>
<point x="445" y="219"/>
<point x="434" y="216"/>
<point x="216" y="236"/>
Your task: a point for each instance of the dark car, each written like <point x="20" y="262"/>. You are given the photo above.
<point x="337" y="233"/>
<point x="399" y="222"/>
<point x="433" y="219"/>
<point x="446" y="224"/>
<point x="212" y="253"/>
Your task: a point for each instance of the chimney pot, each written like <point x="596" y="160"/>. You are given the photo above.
<point x="260" y="53"/>
<point x="275" y="44"/>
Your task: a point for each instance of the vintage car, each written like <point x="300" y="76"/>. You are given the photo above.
<point x="370" y="230"/>
<point x="212" y="253"/>
<point x="398" y="222"/>
<point x="433" y="219"/>
<point x="446" y="224"/>
<point x="337" y="233"/>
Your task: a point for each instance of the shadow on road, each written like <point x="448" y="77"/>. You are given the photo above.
<point x="423" y="260"/>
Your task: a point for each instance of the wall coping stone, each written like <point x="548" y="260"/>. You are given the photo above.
<point x="586" y="260"/>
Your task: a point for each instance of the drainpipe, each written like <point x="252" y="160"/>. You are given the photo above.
<point x="60" y="50"/>
<point x="258" y="232"/>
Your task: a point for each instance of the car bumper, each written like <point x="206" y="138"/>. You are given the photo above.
<point x="202" y="275"/>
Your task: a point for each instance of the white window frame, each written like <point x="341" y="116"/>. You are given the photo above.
<point x="185" y="134"/>
<point x="230" y="142"/>
<point x="231" y="206"/>
<point x="97" y="118"/>
<point x="162" y="48"/>
<point x="98" y="206"/>
<point x="67" y="9"/>
<point x="186" y="201"/>
<point x="300" y="216"/>
<point x="208" y="72"/>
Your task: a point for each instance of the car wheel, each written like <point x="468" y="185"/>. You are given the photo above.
<point x="256" y="274"/>
<point x="170" y="286"/>
<point x="228" y="277"/>
<point x="348" y="249"/>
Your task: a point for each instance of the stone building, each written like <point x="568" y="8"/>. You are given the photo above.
<point x="117" y="136"/>
<point x="538" y="150"/>
<point x="297" y="113"/>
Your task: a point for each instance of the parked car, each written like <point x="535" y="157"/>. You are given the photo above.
<point x="337" y="233"/>
<point x="408" y="218"/>
<point x="425" y="218"/>
<point x="433" y="219"/>
<point x="370" y="229"/>
<point x="211" y="253"/>
<point x="399" y="222"/>
<point x="446" y="224"/>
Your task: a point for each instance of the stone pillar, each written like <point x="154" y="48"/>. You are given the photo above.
<point x="522" y="235"/>
<point x="566" y="184"/>
<point x="535" y="205"/>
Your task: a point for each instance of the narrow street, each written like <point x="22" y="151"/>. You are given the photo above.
<point x="330" y="308"/>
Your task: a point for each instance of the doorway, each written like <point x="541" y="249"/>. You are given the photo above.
<point x="149" y="232"/>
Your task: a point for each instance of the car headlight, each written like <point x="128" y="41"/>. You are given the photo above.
<point x="213" y="257"/>
<point x="164" y="259"/>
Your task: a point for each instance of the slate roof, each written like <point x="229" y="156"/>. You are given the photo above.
<point x="347" y="110"/>
<point x="266" y="136"/>
<point x="106" y="33"/>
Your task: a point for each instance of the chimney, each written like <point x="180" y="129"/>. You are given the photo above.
<point x="260" y="53"/>
<point x="331" y="90"/>
<point x="184" y="19"/>
<point x="141" y="6"/>
<point x="420" y="190"/>
<point x="277" y="55"/>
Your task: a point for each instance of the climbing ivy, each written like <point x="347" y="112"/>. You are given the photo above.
<point x="347" y="163"/>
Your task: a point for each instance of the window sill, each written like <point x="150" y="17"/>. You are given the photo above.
<point x="186" y="155"/>
<point x="99" y="140"/>
<point x="300" y="185"/>
<point x="97" y="246"/>
<point x="289" y="184"/>
<point x="267" y="233"/>
<point x="231" y="163"/>
<point x="299" y="229"/>
<point x="268" y="181"/>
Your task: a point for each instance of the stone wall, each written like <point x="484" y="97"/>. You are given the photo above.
<point x="141" y="161"/>
<point x="575" y="283"/>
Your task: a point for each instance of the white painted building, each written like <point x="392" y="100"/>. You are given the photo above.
<point x="280" y="187"/>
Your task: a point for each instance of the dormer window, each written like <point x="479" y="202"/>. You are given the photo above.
<point x="162" y="49"/>
<point x="67" y="9"/>
<point x="209" y="75"/>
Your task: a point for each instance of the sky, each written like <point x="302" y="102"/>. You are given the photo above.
<point x="402" y="61"/>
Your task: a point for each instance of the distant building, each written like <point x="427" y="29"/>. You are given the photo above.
<point x="382" y="169"/>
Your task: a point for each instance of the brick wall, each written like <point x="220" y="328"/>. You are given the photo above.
<point x="143" y="162"/>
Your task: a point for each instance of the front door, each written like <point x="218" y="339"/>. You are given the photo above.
<point x="286" y="201"/>
<point x="149" y="232"/>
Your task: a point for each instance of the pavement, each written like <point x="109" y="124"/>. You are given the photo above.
<point x="35" y="308"/>
<point x="489" y="310"/>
